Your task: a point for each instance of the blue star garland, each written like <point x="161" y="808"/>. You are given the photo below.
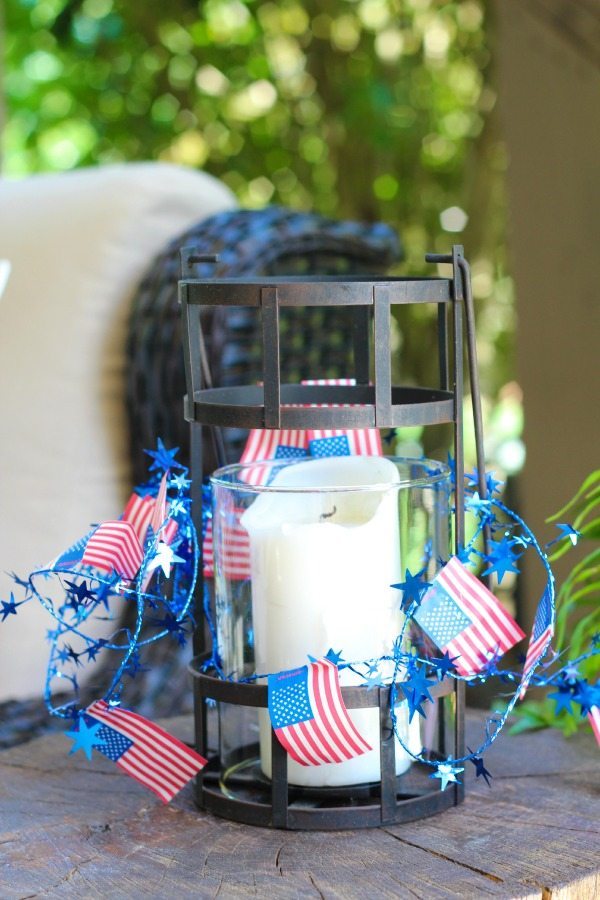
<point x="88" y="591"/>
<point x="414" y="672"/>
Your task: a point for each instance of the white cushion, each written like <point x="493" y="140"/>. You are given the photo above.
<point x="78" y="244"/>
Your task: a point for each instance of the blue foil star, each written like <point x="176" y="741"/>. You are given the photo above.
<point x="562" y="698"/>
<point x="163" y="459"/>
<point x="86" y="738"/>
<point x="412" y="589"/>
<point x="444" y="664"/>
<point x="476" y="505"/>
<point x="480" y="769"/>
<point x="9" y="608"/>
<point x="80" y="592"/>
<point x="447" y="773"/>
<point x="566" y="531"/>
<point x="502" y="558"/>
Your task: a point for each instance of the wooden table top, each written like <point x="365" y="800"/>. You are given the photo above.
<point x="69" y="827"/>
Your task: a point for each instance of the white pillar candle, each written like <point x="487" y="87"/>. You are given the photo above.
<point x="322" y="562"/>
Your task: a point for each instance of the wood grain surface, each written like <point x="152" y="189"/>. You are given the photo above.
<point x="73" y="828"/>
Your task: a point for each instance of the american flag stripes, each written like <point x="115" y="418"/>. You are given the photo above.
<point x="309" y="716"/>
<point x="463" y="618"/>
<point x="114" y="546"/>
<point x="235" y="552"/>
<point x="139" y="512"/>
<point x="159" y="512"/>
<point x="140" y="748"/>
<point x="594" y="719"/>
<point x="541" y="635"/>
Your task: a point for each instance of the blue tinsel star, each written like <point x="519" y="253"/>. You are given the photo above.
<point x="562" y="697"/>
<point x="86" y="738"/>
<point x="412" y="589"/>
<point x="444" y="664"/>
<point x="373" y="681"/>
<point x="566" y="531"/>
<point x="502" y="558"/>
<point x="163" y="459"/>
<point x="586" y="695"/>
<point x="80" y="592"/>
<point x="94" y="649"/>
<point x="491" y="483"/>
<point x="447" y="773"/>
<point x="9" y="608"/>
<point x="480" y="769"/>
<point x="416" y="691"/>
<point x="180" y="482"/>
<point x="164" y="559"/>
<point x="476" y="505"/>
<point x="334" y="656"/>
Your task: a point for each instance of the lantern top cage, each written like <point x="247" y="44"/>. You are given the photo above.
<point x="372" y="401"/>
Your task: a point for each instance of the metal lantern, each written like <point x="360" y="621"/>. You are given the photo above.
<point x="323" y="541"/>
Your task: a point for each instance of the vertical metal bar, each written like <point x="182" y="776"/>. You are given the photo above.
<point x="361" y="339"/>
<point x="271" y="361"/>
<point x="190" y="323"/>
<point x="279" y="783"/>
<point x="458" y="391"/>
<point x="387" y="758"/>
<point x="458" y="294"/>
<point x="199" y="640"/>
<point x="383" y="361"/>
<point x="201" y="737"/>
<point x="474" y="379"/>
<point x="443" y="346"/>
<point x="459" y="734"/>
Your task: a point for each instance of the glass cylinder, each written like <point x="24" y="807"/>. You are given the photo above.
<point x="305" y="553"/>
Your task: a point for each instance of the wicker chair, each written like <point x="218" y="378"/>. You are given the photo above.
<point x="274" y="241"/>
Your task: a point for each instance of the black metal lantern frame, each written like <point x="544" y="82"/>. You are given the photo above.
<point x="373" y="402"/>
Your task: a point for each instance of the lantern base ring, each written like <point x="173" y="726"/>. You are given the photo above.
<point x="241" y="792"/>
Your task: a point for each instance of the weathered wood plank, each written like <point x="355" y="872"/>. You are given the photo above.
<point x="69" y="827"/>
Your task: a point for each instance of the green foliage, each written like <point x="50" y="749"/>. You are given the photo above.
<point x="577" y="605"/>
<point x="365" y="109"/>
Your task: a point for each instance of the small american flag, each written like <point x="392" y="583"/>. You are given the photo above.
<point x="114" y="546"/>
<point x="594" y="717"/>
<point x="235" y="552"/>
<point x="541" y="635"/>
<point x="462" y="617"/>
<point x="309" y="716"/>
<point x="337" y="442"/>
<point x="271" y="444"/>
<point x="140" y="748"/>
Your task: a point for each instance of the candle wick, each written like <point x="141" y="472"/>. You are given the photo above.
<point x="328" y="515"/>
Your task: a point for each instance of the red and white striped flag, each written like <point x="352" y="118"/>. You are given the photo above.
<point x="594" y="717"/>
<point x="114" y="546"/>
<point x="463" y="618"/>
<point x="139" y="512"/>
<point x="140" y="748"/>
<point x="541" y="635"/>
<point x="235" y="550"/>
<point x="159" y="512"/>
<point x="270" y="444"/>
<point x="309" y="716"/>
